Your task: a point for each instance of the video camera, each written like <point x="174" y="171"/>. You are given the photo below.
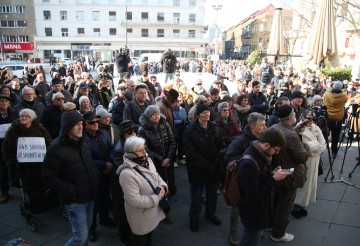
<point x="320" y="113"/>
<point x="354" y="109"/>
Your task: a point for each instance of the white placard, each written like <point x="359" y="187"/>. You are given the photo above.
<point x="3" y="129"/>
<point x="31" y="149"/>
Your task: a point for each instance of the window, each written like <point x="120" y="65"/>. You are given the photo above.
<point x="23" y="39"/>
<point x="191" y="33"/>
<point x="129" y="30"/>
<point x="145" y="16"/>
<point x="160" y="17"/>
<point x="192" y="3"/>
<point x="21" y="23"/>
<point x="129" y="15"/>
<point x="97" y="31"/>
<point x="112" y="16"/>
<point x="4" y="24"/>
<point x="96" y="15"/>
<point x="176" y="18"/>
<point x="64" y="32"/>
<point x="176" y="33"/>
<point x="12" y="9"/>
<point x="176" y="2"/>
<point x="160" y="33"/>
<point x="48" y="31"/>
<point x="79" y="15"/>
<point x="11" y="23"/>
<point x="81" y="31"/>
<point x="47" y="15"/>
<point x="63" y="15"/>
<point x="192" y="18"/>
<point x="112" y="31"/>
<point x="144" y="32"/>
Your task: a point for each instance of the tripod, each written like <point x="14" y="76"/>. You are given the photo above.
<point x="351" y="128"/>
<point x="321" y="122"/>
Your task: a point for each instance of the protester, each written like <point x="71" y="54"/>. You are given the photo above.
<point x="228" y="125"/>
<point x="243" y="109"/>
<point x="52" y="115"/>
<point x="28" y="101"/>
<point x="257" y="100"/>
<point x="168" y="62"/>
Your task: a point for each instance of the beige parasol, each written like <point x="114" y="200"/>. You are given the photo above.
<point x="277" y="40"/>
<point x="322" y="40"/>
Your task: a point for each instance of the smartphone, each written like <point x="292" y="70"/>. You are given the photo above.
<point x="290" y="170"/>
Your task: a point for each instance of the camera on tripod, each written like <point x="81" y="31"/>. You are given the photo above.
<point x="320" y="113"/>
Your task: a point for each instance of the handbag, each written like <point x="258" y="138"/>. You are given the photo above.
<point x="164" y="203"/>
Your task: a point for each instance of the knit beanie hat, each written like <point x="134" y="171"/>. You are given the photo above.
<point x="150" y="110"/>
<point x="100" y="111"/>
<point x="82" y="98"/>
<point x="68" y="120"/>
<point x="296" y="94"/>
<point x="338" y="85"/>
<point x="284" y="111"/>
<point x="222" y="106"/>
<point x="201" y="108"/>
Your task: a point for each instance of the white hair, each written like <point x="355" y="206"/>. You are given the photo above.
<point x="56" y="94"/>
<point x="30" y="112"/>
<point x="27" y="88"/>
<point x="132" y="143"/>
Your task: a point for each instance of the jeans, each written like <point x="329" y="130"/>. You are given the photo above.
<point x="283" y="204"/>
<point x="234" y="218"/>
<point x="195" y="205"/>
<point x="169" y="76"/>
<point x="80" y="216"/>
<point x="250" y="237"/>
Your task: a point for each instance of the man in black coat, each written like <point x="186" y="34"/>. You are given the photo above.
<point x="257" y="99"/>
<point x="52" y="115"/>
<point x="68" y="169"/>
<point x="168" y="62"/>
<point x="203" y="142"/>
<point x="122" y="63"/>
<point x="256" y="181"/>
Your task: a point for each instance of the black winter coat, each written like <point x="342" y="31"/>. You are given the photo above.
<point x="237" y="147"/>
<point x="52" y="120"/>
<point x="160" y="141"/>
<point x="37" y="106"/>
<point x="69" y="170"/>
<point x="133" y="111"/>
<point x="255" y="188"/>
<point x="202" y="148"/>
<point x="164" y="57"/>
<point x="258" y="102"/>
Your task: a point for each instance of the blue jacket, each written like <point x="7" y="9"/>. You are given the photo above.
<point x="258" y="102"/>
<point x="180" y="118"/>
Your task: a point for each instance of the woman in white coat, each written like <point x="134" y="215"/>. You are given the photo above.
<point x="141" y="204"/>
<point x="312" y="135"/>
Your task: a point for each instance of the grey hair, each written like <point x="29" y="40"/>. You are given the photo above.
<point x="130" y="82"/>
<point x="30" y="112"/>
<point x="56" y="94"/>
<point x="132" y="143"/>
<point x="254" y="117"/>
<point x="200" y="98"/>
<point x="27" y="88"/>
<point x="316" y="97"/>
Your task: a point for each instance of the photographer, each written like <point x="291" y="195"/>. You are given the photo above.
<point x="122" y="63"/>
<point x="335" y="101"/>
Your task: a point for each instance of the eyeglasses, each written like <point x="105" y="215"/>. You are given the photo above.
<point x="92" y="122"/>
<point x="59" y="98"/>
<point x="277" y="149"/>
<point x="140" y="150"/>
<point x="24" y="116"/>
<point x="225" y="110"/>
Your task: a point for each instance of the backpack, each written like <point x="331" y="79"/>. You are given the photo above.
<point x="231" y="192"/>
<point x="265" y="74"/>
<point x="169" y="63"/>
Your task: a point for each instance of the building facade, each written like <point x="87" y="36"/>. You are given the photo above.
<point x="17" y="28"/>
<point x="99" y="28"/>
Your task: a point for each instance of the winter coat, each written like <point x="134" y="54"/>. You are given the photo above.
<point x="335" y="101"/>
<point x="315" y="139"/>
<point x="229" y="131"/>
<point x="242" y="113"/>
<point x="141" y="204"/>
<point x="133" y="111"/>
<point x="68" y="169"/>
<point x="273" y="118"/>
<point x="52" y="120"/>
<point x="112" y="131"/>
<point x="168" y="55"/>
<point x="258" y="102"/>
<point x="166" y="110"/>
<point x="48" y="97"/>
<point x="239" y="145"/>
<point x="41" y="89"/>
<point x="118" y="111"/>
<point x="160" y="141"/>
<point x="180" y="119"/>
<point x="293" y="155"/>
<point x="202" y="148"/>
<point x="37" y="106"/>
<point x="122" y="62"/>
<point x="255" y="188"/>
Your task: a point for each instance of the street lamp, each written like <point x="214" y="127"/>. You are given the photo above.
<point x="217" y="7"/>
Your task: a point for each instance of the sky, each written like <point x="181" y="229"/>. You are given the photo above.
<point x="233" y="11"/>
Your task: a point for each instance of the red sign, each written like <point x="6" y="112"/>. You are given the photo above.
<point x="17" y="46"/>
<point x="347" y="42"/>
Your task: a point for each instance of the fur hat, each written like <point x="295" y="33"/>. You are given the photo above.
<point x="68" y="120"/>
<point x="222" y="106"/>
<point x="284" y="111"/>
<point x="201" y="107"/>
<point x="338" y="85"/>
<point x="150" y="110"/>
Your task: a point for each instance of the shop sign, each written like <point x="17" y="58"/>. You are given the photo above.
<point x="17" y="46"/>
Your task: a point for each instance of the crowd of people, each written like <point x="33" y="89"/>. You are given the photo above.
<point x="112" y="152"/>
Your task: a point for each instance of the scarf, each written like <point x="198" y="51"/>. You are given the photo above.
<point x="264" y="155"/>
<point x="142" y="161"/>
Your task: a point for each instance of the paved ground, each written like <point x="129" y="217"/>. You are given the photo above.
<point x="334" y="220"/>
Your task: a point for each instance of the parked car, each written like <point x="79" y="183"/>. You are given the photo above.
<point x="16" y="69"/>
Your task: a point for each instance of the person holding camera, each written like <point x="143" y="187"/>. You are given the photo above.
<point x="122" y="63"/>
<point x="335" y="101"/>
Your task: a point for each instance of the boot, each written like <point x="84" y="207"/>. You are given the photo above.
<point x="4" y="198"/>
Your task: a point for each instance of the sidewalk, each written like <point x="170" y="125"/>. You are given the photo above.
<point x="334" y="220"/>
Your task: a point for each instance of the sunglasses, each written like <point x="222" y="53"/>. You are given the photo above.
<point x="60" y="98"/>
<point x="130" y="132"/>
<point x="92" y="122"/>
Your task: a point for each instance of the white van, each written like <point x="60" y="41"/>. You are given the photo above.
<point x="150" y="57"/>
